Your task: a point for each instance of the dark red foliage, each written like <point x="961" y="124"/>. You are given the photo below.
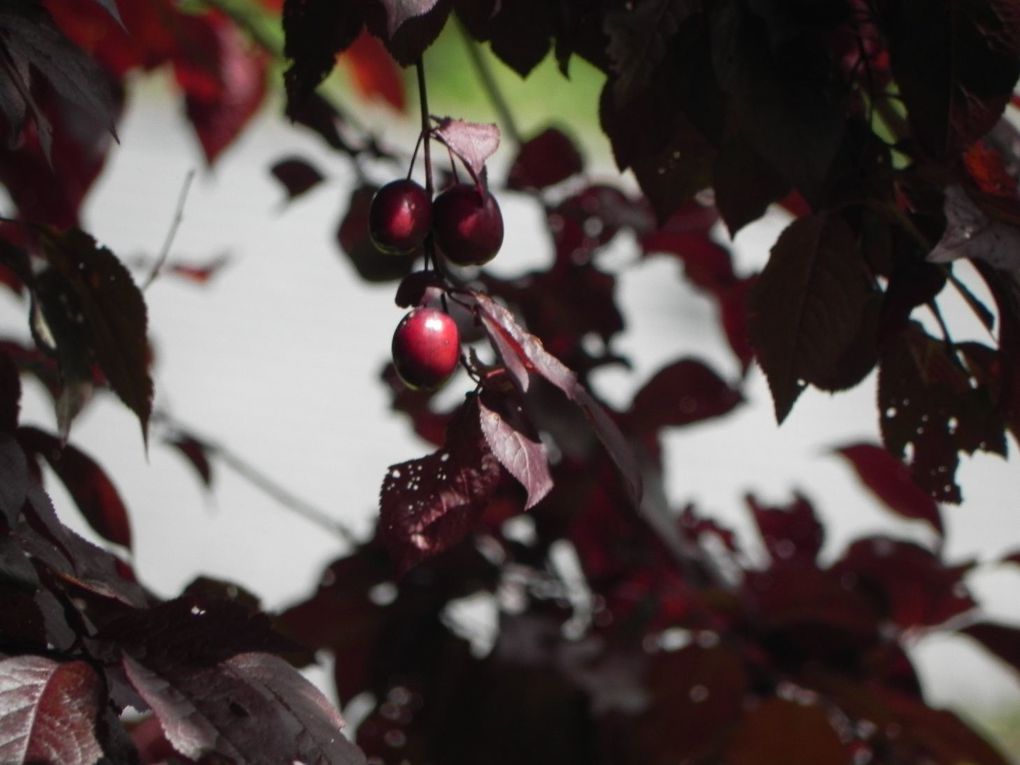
<point x="625" y="630"/>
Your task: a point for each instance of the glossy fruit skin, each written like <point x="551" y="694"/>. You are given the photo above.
<point x="468" y="225"/>
<point x="399" y="217"/>
<point x="426" y="348"/>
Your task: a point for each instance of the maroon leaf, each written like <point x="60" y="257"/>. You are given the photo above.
<point x="195" y="452"/>
<point x="639" y="40"/>
<point x="253" y="707"/>
<point x="72" y="559"/>
<point x="374" y="73"/>
<point x="1002" y="640"/>
<point x="30" y="38"/>
<point x="745" y="185"/>
<point x="808" y="309"/>
<point x="224" y="85"/>
<point x="48" y="711"/>
<point x="399" y="11"/>
<point x="14" y="478"/>
<point x="427" y="505"/>
<point x="471" y="142"/>
<point x="960" y="97"/>
<point x="777" y="732"/>
<point x="791" y="534"/>
<point x="525" y="350"/>
<point x="296" y="175"/>
<point x="517" y="449"/>
<point x="890" y="480"/>
<point x="315" y="31"/>
<point x="92" y="490"/>
<point x="684" y="392"/>
<point x="113" y="314"/>
<point x="545" y="160"/>
<point x="929" y="412"/>
<point x="914" y="588"/>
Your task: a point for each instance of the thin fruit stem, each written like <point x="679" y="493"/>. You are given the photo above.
<point x="426" y="128"/>
<point x="495" y="95"/>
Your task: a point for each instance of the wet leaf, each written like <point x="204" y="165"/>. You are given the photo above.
<point x="429" y="504"/>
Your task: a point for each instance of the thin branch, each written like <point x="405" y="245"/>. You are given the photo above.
<point x="174" y="225"/>
<point x="495" y="95"/>
<point x="261" y="481"/>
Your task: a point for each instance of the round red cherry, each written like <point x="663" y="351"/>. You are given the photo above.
<point x="468" y="225"/>
<point x="426" y="348"/>
<point x="400" y="217"/>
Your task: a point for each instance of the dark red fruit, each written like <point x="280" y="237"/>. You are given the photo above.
<point x="400" y="217"/>
<point x="468" y="225"/>
<point x="426" y="348"/>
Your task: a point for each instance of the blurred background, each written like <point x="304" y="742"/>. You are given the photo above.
<point x="277" y="358"/>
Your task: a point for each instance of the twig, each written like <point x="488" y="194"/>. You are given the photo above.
<point x="174" y="225"/>
<point x="260" y="480"/>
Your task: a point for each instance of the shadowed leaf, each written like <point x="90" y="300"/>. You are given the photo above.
<point x="778" y="732"/>
<point x="808" y="308"/>
<point x="296" y="175"/>
<point x="545" y="160"/>
<point x="681" y="393"/>
<point x="87" y="483"/>
<point x="113" y="313"/>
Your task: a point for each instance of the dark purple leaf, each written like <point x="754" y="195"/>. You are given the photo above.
<point x="72" y="559"/>
<point x="639" y="40"/>
<point x="427" y="505"/>
<point x="684" y="392"/>
<point x="890" y="480"/>
<point x="912" y="586"/>
<point x="296" y="175"/>
<point x="532" y="355"/>
<point x="195" y="452"/>
<point x="953" y="100"/>
<point x="253" y="707"/>
<point x="1002" y="640"/>
<point x="471" y="142"/>
<point x="929" y="412"/>
<point x="14" y="478"/>
<point x="48" y="711"/>
<point x="545" y="160"/>
<point x="971" y="234"/>
<point x="778" y="732"/>
<point x="28" y="36"/>
<point x="10" y="393"/>
<point x="92" y="490"/>
<point x="519" y="451"/>
<point x="112" y="311"/>
<point x="315" y="31"/>
<point x="791" y="534"/>
<point x="191" y="630"/>
<point x="810" y="309"/>
<point x="745" y="185"/>
<point x="786" y="103"/>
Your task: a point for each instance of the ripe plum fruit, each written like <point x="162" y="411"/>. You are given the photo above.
<point x="426" y="348"/>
